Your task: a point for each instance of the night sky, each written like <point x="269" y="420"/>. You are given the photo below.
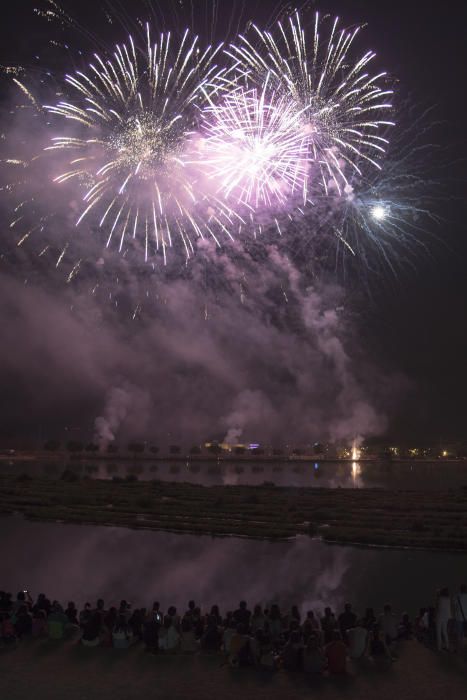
<point x="412" y="324"/>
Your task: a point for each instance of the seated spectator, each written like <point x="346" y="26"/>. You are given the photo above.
<point x="229" y="632"/>
<point x="135" y="623"/>
<point x="405" y="627"/>
<point x="108" y="626"/>
<point x="57" y="621"/>
<point x="198" y="623"/>
<point x="7" y="630"/>
<point x="172" y="613"/>
<point x="121" y="635"/>
<point x="157" y="613"/>
<point x="460" y="613"/>
<point x="310" y="626"/>
<point x="191" y="609"/>
<point x="357" y="640"/>
<point x="21" y="601"/>
<point x="377" y="648"/>
<point x="292" y="652"/>
<point x="72" y="614"/>
<point x="336" y="654"/>
<point x="5" y="603"/>
<point x="23" y="622"/>
<point x="240" y="654"/>
<point x="265" y="657"/>
<point x="388" y="625"/>
<point x="328" y="625"/>
<point x="85" y="615"/>
<point x="39" y="624"/>
<point x="100" y="607"/>
<point x="421" y="625"/>
<point x="242" y="614"/>
<point x="212" y="638"/>
<point x="42" y="603"/>
<point x="257" y="620"/>
<point x="275" y="623"/>
<point x="151" y="631"/>
<point x="314" y="659"/>
<point x="188" y="643"/>
<point x="346" y="620"/>
<point x="169" y="638"/>
<point x="369" y="620"/>
<point x="293" y="617"/>
<point x="92" y="630"/>
<point x="124" y="609"/>
<point x="216" y="615"/>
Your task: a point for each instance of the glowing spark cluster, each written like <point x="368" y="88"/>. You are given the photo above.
<point x="343" y="103"/>
<point x="255" y="148"/>
<point x="170" y="141"/>
<point x="134" y="117"/>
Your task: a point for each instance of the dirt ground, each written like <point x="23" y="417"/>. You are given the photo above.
<point x="52" y="670"/>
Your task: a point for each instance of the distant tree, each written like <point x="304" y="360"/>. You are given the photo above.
<point x="174" y="449"/>
<point x="296" y="452"/>
<point x="195" y="450"/>
<point x="215" y="449"/>
<point x="239" y="450"/>
<point x="52" y="445"/>
<point x="137" y="447"/>
<point x="257" y="451"/>
<point x="74" y="446"/>
<point x="318" y="448"/>
<point x="154" y="449"/>
<point x="92" y="447"/>
<point x="112" y="448"/>
<point x="277" y="452"/>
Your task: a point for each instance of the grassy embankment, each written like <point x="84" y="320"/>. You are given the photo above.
<point x="368" y="516"/>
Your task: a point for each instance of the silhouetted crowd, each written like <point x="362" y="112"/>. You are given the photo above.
<point x="267" y="637"/>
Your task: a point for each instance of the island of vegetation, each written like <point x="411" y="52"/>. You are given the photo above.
<point x="367" y="516"/>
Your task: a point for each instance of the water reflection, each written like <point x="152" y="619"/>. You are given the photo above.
<point x="79" y="562"/>
<point x="356" y="474"/>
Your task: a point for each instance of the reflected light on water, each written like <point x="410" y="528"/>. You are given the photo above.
<point x="356" y="471"/>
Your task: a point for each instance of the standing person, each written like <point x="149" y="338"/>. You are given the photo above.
<point x="443" y="613"/>
<point x="460" y="613"/>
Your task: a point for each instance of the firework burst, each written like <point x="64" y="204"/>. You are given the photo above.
<point x="345" y="105"/>
<point x="254" y="149"/>
<point x="131" y="117"/>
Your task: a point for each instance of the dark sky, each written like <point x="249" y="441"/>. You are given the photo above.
<point x="413" y="324"/>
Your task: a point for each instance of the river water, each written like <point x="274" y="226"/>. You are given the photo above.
<point x="84" y="562"/>
<point x="81" y="562"/>
<point x="393" y="475"/>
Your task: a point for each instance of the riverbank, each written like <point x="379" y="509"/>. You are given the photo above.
<point x="65" y="457"/>
<point x="55" y="670"/>
<point x="417" y="519"/>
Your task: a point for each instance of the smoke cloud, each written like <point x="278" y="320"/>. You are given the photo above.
<point x="234" y="346"/>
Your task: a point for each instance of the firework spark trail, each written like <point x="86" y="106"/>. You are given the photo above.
<point x="166" y="142"/>
<point x="136" y="112"/>
<point x="254" y="147"/>
<point x="344" y="103"/>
